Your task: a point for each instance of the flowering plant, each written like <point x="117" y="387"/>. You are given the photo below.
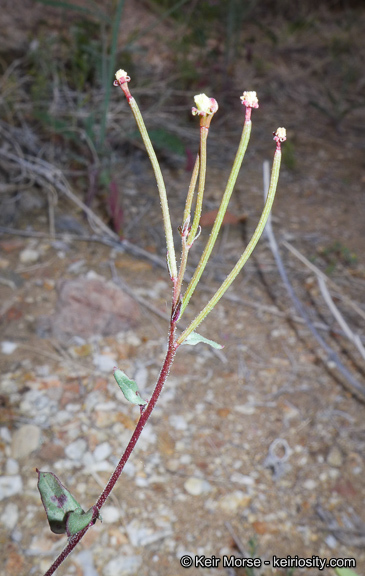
<point x="64" y="513"/>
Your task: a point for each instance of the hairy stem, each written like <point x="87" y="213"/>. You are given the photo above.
<point x="202" y="173"/>
<point x="169" y="358"/>
<point x="189" y="198"/>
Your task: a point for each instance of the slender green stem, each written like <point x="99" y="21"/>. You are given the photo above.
<point x="221" y="212"/>
<point x="180" y="278"/>
<point x="189" y="198"/>
<point x="171" y="258"/>
<point x="202" y="173"/>
<point x="241" y="262"/>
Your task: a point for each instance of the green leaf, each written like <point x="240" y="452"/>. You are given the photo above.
<point x="78" y="520"/>
<point x="345" y="572"/>
<point x="58" y="502"/>
<point x="129" y="388"/>
<point x="194" y="338"/>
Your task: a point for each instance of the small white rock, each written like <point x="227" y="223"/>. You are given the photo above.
<point x="12" y="466"/>
<point x="110" y="514"/>
<point x="9" y="486"/>
<point x="197" y="486"/>
<point x="231" y="502"/>
<point x="29" y="256"/>
<point x="331" y="542"/>
<point x="334" y="457"/>
<point x="8" y="347"/>
<point x="76" y="449"/>
<point x="102" y="451"/>
<point x="5" y="434"/>
<point x="309" y="484"/>
<point x="25" y="440"/>
<point x="246" y="409"/>
<point x="238" y="478"/>
<point x="103" y="362"/>
<point x="10" y="516"/>
<point x="178" y="422"/>
<point x="123" y="567"/>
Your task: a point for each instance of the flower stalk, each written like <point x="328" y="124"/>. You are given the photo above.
<point x="279" y="137"/>
<point x="122" y="80"/>
<point x="250" y="100"/>
<point x="205" y="109"/>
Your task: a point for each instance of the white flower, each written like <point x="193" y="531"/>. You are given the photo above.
<point x="121" y="74"/>
<point x="250" y="100"/>
<point x="204" y="105"/>
<point x="280" y="134"/>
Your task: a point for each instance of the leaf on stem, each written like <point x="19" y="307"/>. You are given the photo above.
<point x="78" y="520"/>
<point x="194" y="338"/>
<point x="64" y="513"/>
<point x="129" y="388"/>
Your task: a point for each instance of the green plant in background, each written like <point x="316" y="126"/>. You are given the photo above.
<point x="64" y="513"/>
<point x="84" y="57"/>
<point x="198" y="20"/>
<point x="289" y="159"/>
<point x="337" y="253"/>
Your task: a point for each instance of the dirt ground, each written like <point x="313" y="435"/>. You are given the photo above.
<point x="257" y="449"/>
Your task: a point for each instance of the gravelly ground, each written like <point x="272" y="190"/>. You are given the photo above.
<point x="204" y="460"/>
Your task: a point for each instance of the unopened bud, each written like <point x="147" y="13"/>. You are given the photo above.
<point x="121" y="77"/>
<point x="204" y="105"/>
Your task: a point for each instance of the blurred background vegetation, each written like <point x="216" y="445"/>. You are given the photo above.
<point x="58" y="61"/>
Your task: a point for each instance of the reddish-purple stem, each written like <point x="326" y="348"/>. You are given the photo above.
<point x="169" y="358"/>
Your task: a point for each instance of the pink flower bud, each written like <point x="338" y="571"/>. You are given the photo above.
<point x="205" y="105"/>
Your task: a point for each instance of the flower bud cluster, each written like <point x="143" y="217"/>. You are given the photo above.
<point x="250" y="100"/>
<point x="204" y="105"/>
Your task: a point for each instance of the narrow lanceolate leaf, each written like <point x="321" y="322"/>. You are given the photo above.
<point x="129" y="388"/>
<point x="194" y="338"/>
<point x="58" y="502"/>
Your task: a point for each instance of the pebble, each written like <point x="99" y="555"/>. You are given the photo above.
<point x="12" y="466"/>
<point x="5" y="434"/>
<point x="86" y="561"/>
<point x="10" y="516"/>
<point x="9" y="486"/>
<point x="25" y="440"/>
<point x="238" y="478"/>
<point x="331" y="542"/>
<point x="37" y="404"/>
<point x="197" y="486"/>
<point x="178" y="422"/>
<point x="103" y="362"/>
<point x="246" y="409"/>
<point x="334" y="457"/>
<point x="110" y="514"/>
<point x="141" y="377"/>
<point x="8" y="347"/>
<point x="129" y="565"/>
<point x="102" y="451"/>
<point x="140" y="535"/>
<point x="76" y="449"/>
<point x="29" y="256"/>
<point x="309" y="484"/>
<point x="231" y="502"/>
